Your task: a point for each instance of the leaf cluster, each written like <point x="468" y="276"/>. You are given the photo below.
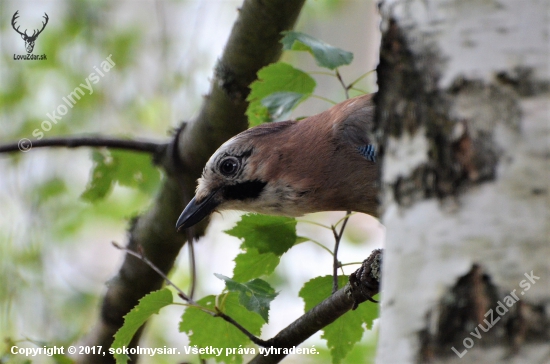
<point x="265" y="239"/>
<point x="281" y="87"/>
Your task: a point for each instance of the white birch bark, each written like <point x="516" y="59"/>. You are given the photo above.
<point x="487" y="65"/>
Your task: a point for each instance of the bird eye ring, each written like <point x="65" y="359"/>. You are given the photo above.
<point x="229" y="166"/>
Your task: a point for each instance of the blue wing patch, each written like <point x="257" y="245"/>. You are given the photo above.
<point x="368" y="152"/>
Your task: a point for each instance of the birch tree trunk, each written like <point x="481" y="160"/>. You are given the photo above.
<point x="463" y="119"/>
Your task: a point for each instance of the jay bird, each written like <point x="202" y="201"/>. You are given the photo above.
<point x="325" y="162"/>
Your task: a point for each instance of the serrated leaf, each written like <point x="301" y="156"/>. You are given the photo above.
<point x="127" y="168"/>
<point x="256" y="295"/>
<point x="204" y="330"/>
<point x="267" y="234"/>
<point x="325" y="55"/>
<point x="276" y="78"/>
<point x="346" y="331"/>
<point x="147" y="306"/>
<point x="368" y="312"/>
<point x="251" y="264"/>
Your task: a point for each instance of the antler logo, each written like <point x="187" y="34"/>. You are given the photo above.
<point x="29" y="39"/>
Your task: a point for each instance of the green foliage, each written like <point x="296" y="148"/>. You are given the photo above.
<point x="24" y="103"/>
<point x="256" y="295"/>
<point x="62" y="359"/>
<point x="292" y="84"/>
<point x="127" y="168"/>
<point x="265" y="239"/>
<point x="251" y="264"/>
<point x="280" y="104"/>
<point x="51" y="188"/>
<point x="147" y="306"/>
<point x="345" y="332"/>
<point x="325" y="55"/>
<point x="281" y="87"/>
<point x="205" y="331"/>
<point x="267" y="234"/>
<point x="363" y="352"/>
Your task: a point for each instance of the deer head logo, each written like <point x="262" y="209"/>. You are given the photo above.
<point x="29" y="39"/>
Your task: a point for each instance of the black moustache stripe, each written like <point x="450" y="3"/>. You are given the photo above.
<point x="244" y="190"/>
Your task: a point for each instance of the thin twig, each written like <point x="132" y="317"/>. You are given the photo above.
<point x="359" y="89"/>
<point x="144" y="259"/>
<point x="189" y="299"/>
<point x="346" y="88"/>
<point x="351" y="263"/>
<point x="336" y="263"/>
<point x="324" y="99"/>
<point x="361" y="77"/>
<point x="314" y="223"/>
<point x="338" y="236"/>
<point x="347" y="216"/>
<point x="320" y="245"/>
<point x="321" y="73"/>
<point x="256" y="340"/>
<point x="24" y="145"/>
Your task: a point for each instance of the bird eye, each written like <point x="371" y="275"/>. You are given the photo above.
<point x="229" y="166"/>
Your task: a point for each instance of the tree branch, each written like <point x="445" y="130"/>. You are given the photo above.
<point x="144" y="259"/>
<point x="253" y="44"/>
<point x="97" y="141"/>
<point x="256" y="340"/>
<point x="363" y="284"/>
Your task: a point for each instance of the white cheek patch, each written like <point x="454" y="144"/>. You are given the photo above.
<point x="276" y="199"/>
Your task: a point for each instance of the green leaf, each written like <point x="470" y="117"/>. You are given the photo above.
<point x="62" y="359"/>
<point x="256" y="295"/>
<point x="126" y="168"/>
<point x="301" y="239"/>
<point x="267" y="234"/>
<point x="280" y="104"/>
<point x="136" y="170"/>
<point x="277" y="78"/>
<point x="325" y="55"/>
<point x="147" y="306"/>
<point x="368" y="311"/>
<point x="252" y="264"/>
<point x="346" y="331"/>
<point x="205" y="331"/>
<point x="53" y="187"/>
<point x="102" y="176"/>
<point x="318" y="289"/>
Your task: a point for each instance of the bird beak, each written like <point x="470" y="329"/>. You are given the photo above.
<point x="195" y="211"/>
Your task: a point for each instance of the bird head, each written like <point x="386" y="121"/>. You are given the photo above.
<point x="233" y="179"/>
